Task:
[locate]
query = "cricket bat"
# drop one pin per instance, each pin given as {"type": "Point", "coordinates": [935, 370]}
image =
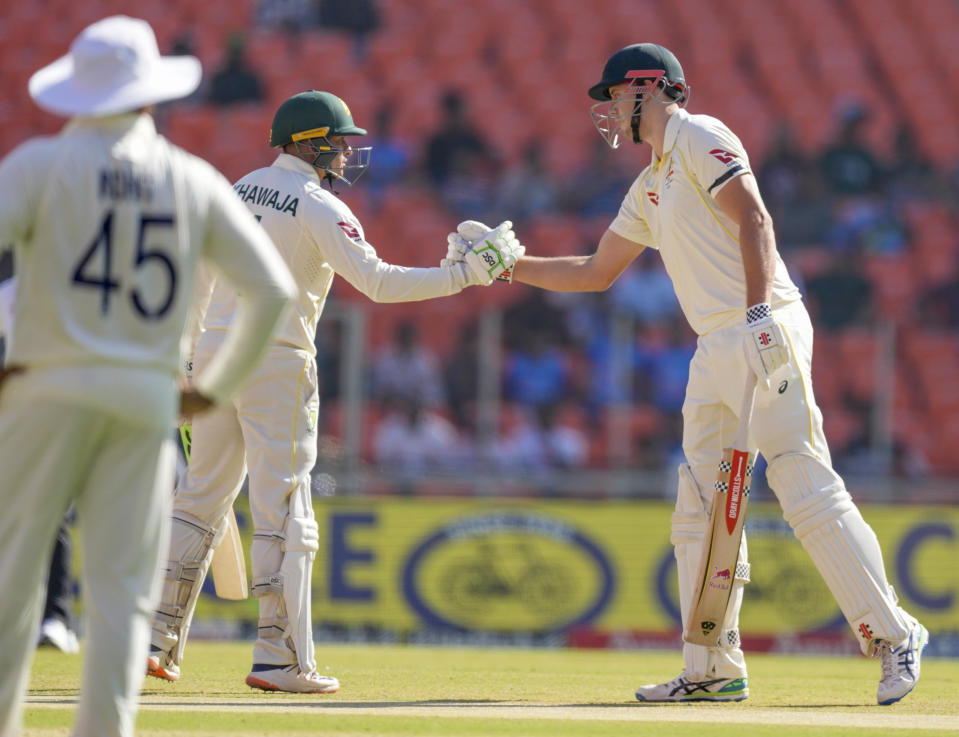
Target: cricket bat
{"type": "Point", "coordinates": [228, 566]}
{"type": "Point", "coordinates": [717, 567]}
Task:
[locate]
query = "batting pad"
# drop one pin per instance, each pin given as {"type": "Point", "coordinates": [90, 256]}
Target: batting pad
{"type": "Point", "coordinates": [191, 549]}
{"type": "Point", "coordinates": [841, 544]}
{"type": "Point", "coordinates": [689, 530]}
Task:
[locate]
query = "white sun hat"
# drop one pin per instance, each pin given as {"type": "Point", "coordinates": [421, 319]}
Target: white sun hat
{"type": "Point", "coordinates": [113, 66]}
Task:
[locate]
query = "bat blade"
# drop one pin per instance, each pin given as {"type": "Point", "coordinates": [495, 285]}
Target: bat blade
{"type": "Point", "coordinates": [228, 566]}
{"type": "Point", "coordinates": [720, 556]}
{"type": "Point", "coordinates": [718, 566]}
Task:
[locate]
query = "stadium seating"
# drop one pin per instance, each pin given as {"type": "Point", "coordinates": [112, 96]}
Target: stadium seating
{"type": "Point", "coordinates": [524, 66]}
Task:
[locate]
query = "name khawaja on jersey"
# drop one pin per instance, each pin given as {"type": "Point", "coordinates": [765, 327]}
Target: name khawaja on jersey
{"type": "Point", "coordinates": [267, 197]}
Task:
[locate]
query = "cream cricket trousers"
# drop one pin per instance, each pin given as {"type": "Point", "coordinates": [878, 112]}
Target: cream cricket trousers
{"type": "Point", "coordinates": [118, 473]}
{"type": "Point", "coordinates": [268, 431]}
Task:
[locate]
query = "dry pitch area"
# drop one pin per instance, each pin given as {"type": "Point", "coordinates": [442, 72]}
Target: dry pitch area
{"type": "Point", "coordinates": [484, 692]}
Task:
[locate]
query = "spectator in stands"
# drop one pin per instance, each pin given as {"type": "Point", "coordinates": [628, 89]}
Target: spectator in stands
{"type": "Point", "coordinates": [358, 17]}
{"type": "Point", "coordinates": [848, 164]}
{"type": "Point", "coordinates": [540, 441]}
{"type": "Point", "coordinates": [868, 225]}
{"type": "Point", "coordinates": [469, 186]}
{"type": "Point", "coordinates": [456, 140]}
{"type": "Point", "coordinates": [796, 197]}
{"type": "Point", "coordinates": [840, 296]}
{"type": "Point", "coordinates": [413, 439]}
{"type": "Point", "coordinates": [526, 188]}
{"type": "Point", "coordinates": [644, 291]}
{"type": "Point", "coordinates": [392, 155]}
{"type": "Point", "coordinates": [235, 82]}
{"type": "Point", "coordinates": [597, 187]}
{"type": "Point", "coordinates": [408, 369]}
{"type": "Point", "coordinates": [537, 370]}
{"type": "Point", "coordinates": [663, 352]}
{"type": "Point", "coordinates": [910, 174]}
{"type": "Point", "coordinates": [291, 16]}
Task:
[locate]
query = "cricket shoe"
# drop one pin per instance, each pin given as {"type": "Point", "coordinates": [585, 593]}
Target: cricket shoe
{"type": "Point", "coordinates": [682, 690]}
{"type": "Point", "coordinates": [159, 666]}
{"type": "Point", "coordinates": [55, 633]}
{"type": "Point", "coordinates": [291, 679]}
{"type": "Point", "coordinates": [900, 665]}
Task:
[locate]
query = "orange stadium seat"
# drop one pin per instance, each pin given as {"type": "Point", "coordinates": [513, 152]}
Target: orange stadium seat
{"type": "Point", "coordinates": [894, 280]}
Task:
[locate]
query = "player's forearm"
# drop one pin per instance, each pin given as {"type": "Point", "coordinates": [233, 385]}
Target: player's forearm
{"type": "Point", "coordinates": [758, 244]}
{"type": "Point", "coordinates": [387, 283]}
{"type": "Point", "coordinates": [562, 273]}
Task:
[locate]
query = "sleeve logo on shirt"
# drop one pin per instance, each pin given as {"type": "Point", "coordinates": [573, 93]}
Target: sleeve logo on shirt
{"type": "Point", "coordinates": [653, 197]}
{"type": "Point", "coordinates": [350, 230]}
{"type": "Point", "coordinates": [725, 156]}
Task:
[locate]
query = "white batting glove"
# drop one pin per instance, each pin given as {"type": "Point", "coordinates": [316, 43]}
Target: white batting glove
{"type": "Point", "coordinates": [767, 349]}
{"type": "Point", "coordinates": [460, 241]}
{"type": "Point", "coordinates": [456, 250]}
{"type": "Point", "coordinates": [495, 252]}
{"type": "Point", "coordinates": [473, 230]}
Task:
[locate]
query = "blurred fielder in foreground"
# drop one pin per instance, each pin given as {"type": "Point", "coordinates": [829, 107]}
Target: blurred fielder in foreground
{"type": "Point", "coordinates": [269, 430]}
{"type": "Point", "coordinates": [109, 221]}
{"type": "Point", "coordinates": [698, 204]}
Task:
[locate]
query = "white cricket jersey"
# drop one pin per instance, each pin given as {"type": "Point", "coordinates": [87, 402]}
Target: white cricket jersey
{"type": "Point", "coordinates": [319, 236]}
{"type": "Point", "coordinates": [109, 221]}
{"type": "Point", "coordinates": [671, 207]}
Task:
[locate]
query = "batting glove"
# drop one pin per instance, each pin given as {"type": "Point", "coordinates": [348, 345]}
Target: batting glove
{"type": "Point", "coordinates": [456, 250]}
{"type": "Point", "coordinates": [495, 252]}
{"type": "Point", "coordinates": [767, 349]}
{"type": "Point", "coordinates": [459, 242]}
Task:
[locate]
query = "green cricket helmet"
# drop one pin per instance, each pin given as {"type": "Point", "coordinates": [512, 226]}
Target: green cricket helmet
{"type": "Point", "coordinates": [645, 67]}
{"type": "Point", "coordinates": [308, 120]}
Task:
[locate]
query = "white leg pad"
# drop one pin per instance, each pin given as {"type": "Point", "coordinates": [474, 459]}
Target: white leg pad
{"type": "Point", "coordinates": [283, 566]}
{"type": "Point", "coordinates": [689, 530]}
{"type": "Point", "coordinates": [191, 549]}
{"type": "Point", "coordinates": [841, 544]}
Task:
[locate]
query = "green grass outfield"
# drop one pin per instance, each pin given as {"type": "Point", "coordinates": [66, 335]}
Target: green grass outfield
{"type": "Point", "coordinates": [471, 692]}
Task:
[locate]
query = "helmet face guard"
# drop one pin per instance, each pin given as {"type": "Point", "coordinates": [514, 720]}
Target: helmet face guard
{"type": "Point", "coordinates": [315, 143]}
{"type": "Point", "coordinates": [610, 116]}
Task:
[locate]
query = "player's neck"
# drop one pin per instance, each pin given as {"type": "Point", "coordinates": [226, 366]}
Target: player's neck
{"type": "Point", "coordinates": [656, 135]}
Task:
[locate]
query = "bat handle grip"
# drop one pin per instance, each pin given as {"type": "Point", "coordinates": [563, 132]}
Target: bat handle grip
{"type": "Point", "coordinates": [746, 412]}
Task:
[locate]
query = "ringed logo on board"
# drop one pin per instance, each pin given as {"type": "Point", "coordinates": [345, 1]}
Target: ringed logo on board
{"type": "Point", "coordinates": [508, 572]}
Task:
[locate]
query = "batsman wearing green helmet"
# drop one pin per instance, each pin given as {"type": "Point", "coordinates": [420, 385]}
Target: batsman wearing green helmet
{"type": "Point", "coordinates": [268, 431]}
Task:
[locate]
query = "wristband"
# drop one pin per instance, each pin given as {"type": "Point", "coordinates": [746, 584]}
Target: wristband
{"type": "Point", "coordinates": [758, 312]}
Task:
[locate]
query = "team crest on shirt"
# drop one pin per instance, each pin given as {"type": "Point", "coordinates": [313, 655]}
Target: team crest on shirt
{"type": "Point", "coordinates": [727, 157]}
{"type": "Point", "coordinates": [668, 179]}
{"type": "Point", "coordinates": [351, 231]}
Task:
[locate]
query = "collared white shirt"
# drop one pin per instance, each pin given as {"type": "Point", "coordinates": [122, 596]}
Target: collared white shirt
{"type": "Point", "coordinates": [109, 221]}
{"type": "Point", "coordinates": [671, 207]}
{"type": "Point", "coordinates": [318, 236]}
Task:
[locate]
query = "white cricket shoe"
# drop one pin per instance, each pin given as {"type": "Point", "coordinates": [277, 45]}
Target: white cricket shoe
{"type": "Point", "coordinates": [55, 633]}
{"type": "Point", "coordinates": [681, 689]}
{"type": "Point", "coordinates": [291, 679]}
{"type": "Point", "coordinates": [900, 665]}
{"type": "Point", "coordinates": [159, 666]}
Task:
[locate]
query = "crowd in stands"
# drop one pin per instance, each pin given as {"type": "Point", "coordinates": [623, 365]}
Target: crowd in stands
{"type": "Point", "coordinates": [473, 124]}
